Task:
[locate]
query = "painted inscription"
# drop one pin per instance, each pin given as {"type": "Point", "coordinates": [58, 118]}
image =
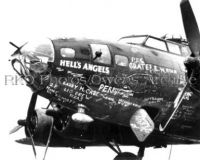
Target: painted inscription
{"type": "Point", "coordinates": [127, 103]}
{"type": "Point", "coordinates": [139, 64]}
{"type": "Point", "coordinates": [115, 91]}
{"type": "Point", "coordinates": [187, 95]}
{"type": "Point", "coordinates": [53, 90]}
{"type": "Point", "coordinates": [152, 100]}
{"type": "Point", "coordinates": [84, 66]}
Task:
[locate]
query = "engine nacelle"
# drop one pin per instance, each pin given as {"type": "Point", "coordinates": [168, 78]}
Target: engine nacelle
{"type": "Point", "coordinates": [40, 127]}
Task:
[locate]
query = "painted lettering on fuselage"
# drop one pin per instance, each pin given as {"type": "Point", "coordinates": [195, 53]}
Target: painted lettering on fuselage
{"type": "Point", "coordinates": [70, 64]}
{"type": "Point", "coordinates": [115, 91]}
{"type": "Point", "coordinates": [84, 66]}
{"type": "Point", "coordinates": [187, 95]}
{"type": "Point", "coordinates": [126, 103]}
{"type": "Point", "coordinates": [139, 64]}
{"type": "Point", "coordinates": [152, 100]}
{"type": "Point", "coordinates": [96, 68]}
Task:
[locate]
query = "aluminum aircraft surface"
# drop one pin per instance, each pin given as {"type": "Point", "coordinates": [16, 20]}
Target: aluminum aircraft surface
{"type": "Point", "coordinates": [141, 91]}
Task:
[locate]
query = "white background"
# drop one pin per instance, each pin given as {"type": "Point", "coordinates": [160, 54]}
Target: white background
{"type": "Point", "coordinates": [101, 19]}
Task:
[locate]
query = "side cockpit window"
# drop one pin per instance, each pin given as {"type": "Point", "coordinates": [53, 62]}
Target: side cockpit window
{"type": "Point", "coordinates": [121, 60]}
{"type": "Point", "coordinates": [156, 43]}
{"type": "Point", "coordinates": [174, 48]}
{"type": "Point", "coordinates": [101, 53]}
{"type": "Point", "coordinates": [67, 52]}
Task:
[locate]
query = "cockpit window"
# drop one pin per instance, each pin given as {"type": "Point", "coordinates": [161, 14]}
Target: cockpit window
{"type": "Point", "coordinates": [101, 53]}
{"type": "Point", "coordinates": [174, 48]}
{"type": "Point", "coordinates": [185, 51]}
{"type": "Point", "coordinates": [121, 60]}
{"type": "Point", "coordinates": [67, 52]}
{"type": "Point", "coordinates": [155, 43]}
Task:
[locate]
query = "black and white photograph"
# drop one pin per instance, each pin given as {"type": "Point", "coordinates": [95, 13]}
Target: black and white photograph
{"type": "Point", "coordinates": [100, 79]}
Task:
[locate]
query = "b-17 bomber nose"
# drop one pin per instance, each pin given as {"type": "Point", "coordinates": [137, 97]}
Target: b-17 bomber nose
{"type": "Point", "coordinates": [36, 55]}
{"type": "Point", "coordinates": [31, 61]}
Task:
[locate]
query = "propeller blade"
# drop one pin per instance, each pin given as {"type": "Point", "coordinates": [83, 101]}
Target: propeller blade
{"type": "Point", "coordinates": [18, 48]}
{"type": "Point", "coordinates": [15, 129]}
{"type": "Point", "coordinates": [191, 27]}
{"type": "Point", "coordinates": [14, 45]}
{"type": "Point", "coordinates": [32, 142]}
{"type": "Point", "coordinates": [31, 108]}
{"type": "Point", "coordinates": [176, 105]}
{"type": "Point", "coordinates": [49, 138]}
{"type": "Point", "coordinates": [15, 53]}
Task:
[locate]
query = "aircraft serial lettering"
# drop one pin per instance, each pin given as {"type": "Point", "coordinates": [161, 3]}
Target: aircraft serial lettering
{"type": "Point", "coordinates": [85, 66]}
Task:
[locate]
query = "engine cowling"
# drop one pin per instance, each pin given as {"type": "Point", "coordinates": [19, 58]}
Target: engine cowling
{"type": "Point", "coordinates": [193, 72]}
{"type": "Point", "coordinates": [40, 126]}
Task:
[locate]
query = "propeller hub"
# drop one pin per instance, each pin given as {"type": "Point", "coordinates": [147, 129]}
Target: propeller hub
{"type": "Point", "coordinates": [22, 122]}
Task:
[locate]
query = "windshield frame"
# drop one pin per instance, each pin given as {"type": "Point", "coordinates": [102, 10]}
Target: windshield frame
{"type": "Point", "coordinates": [134, 37]}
